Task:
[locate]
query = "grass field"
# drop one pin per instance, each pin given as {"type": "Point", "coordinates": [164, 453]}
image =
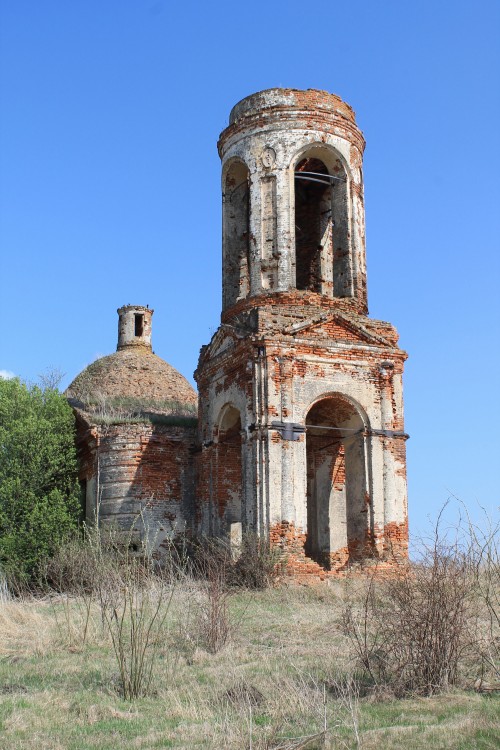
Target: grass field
{"type": "Point", "coordinates": [284, 673]}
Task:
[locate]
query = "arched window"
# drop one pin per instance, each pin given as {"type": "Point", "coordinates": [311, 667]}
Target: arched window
{"type": "Point", "coordinates": [337, 519]}
{"type": "Point", "coordinates": [235, 234]}
{"type": "Point", "coordinates": [322, 241]}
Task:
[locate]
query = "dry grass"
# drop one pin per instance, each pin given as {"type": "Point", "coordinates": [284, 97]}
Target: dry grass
{"type": "Point", "coordinates": [25, 629]}
{"type": "Point", "coordinates": [280, 675]}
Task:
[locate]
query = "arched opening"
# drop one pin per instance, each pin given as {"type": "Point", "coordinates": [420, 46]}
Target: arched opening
{"type": "Point", "coordinates": [312, 222]}
{"type": "Point", "coordinates": [337, 517]}
{"type": "Point", "coordinates": [229, 485]}
{"type": "Point", "coordinates": [322, 243]}
{"type": "Point", "coordinates": [236, 234]}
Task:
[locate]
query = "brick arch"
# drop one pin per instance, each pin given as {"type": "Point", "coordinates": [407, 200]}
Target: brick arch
{"type": "Point", "coordinates": [341, 396]}
{"type": "Point", "coordinates": [337, 512]}
{"type": "Point", "coordinates": [325, 152]}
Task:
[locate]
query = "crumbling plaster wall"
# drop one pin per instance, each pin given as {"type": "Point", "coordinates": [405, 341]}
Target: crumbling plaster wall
{"type": "Point", "coordinates": [290, 348]}
{"type": "Point", "coordinates": [270, 137]}
{"type": "Point", "coordinates": [225, 382]}
{"type": "Point", "coordinates": [278, 379]}
{"type": "Point", "coordinates": [279, 352]}
{"type": "Point", "coordinates": [139, 478]}
{"type": "Point", "coordinates": [358, 379]}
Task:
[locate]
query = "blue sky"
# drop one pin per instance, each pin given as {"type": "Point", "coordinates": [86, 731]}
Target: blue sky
{"type": "Point", "coordinates": [110, 188]}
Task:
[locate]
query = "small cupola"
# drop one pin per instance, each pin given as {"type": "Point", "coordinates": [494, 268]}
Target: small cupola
{"type": "Point", "coordinates": [134, 326]}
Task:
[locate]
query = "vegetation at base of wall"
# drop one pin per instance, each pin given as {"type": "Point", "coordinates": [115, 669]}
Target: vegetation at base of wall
{"type": "Point", "coordinates": [258, 564]}
{"type": "Point", "coordinates": [182, 654]}
{"type": "Point", "coordinates": [39, 491]}
{"type": "Point", "coordinates": [252, 564]}
{"type": "Point", "coordinates": [415, 632]}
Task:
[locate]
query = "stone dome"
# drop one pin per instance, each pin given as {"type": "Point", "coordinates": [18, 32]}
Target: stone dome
{"type": "Point", "coordinates": [133, 378]}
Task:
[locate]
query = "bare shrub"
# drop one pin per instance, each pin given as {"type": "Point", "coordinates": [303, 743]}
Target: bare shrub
{"type": "Point", "coordinates": [364, 624]}
{"type": "Point", "coordinates": [87, 570]}
{"type": "Point", "coordinates": [213, 620]}
{"type": "Point", "coordinates": [134, 598]}
{"type": "Point", "coordinates": [74, 568]}
{"type": "Point", "coordinates": [431, 630]}
{"type": "Point", "coordinates": [483, 554]}
{"type": "Point", "coordinates": [116, 572]}
{"type": "Point", "coordinates": [413, 630]}
{"type": "Point", "coordinates": [258, 565]}
{"type": "Point", "coordinates": [135, 623]}
{"type": "Point", "coordinates": [73, 577]}
{"type": "Point", "coordinates": [178, 559]}
{"type": "Point", "coordinates": [51, 378]}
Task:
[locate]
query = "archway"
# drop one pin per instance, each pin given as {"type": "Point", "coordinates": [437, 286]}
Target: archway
{"type": "Point", "coordinates": [337, 518]}
{"type": "Point", "coordinates": [229, 484]}
{"type": "Point", "coordinates": [322, 240]}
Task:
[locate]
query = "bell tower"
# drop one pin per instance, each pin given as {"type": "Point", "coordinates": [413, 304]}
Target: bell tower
{"type": "Point", "coordinates": [301, 413]}
{"type": "Point", "coordinates": [293, 214]}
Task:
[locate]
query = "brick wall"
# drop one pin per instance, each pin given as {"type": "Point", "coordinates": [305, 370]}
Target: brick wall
{"type": "Point", "coordinates": [142, 475]}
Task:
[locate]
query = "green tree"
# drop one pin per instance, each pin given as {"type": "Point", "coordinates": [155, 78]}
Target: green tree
{"type": "Point", "coordinates": [39, 491]}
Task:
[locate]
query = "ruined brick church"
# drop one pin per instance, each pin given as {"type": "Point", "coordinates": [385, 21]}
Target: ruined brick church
{"type": "Point", "coordinates": [297, 431]}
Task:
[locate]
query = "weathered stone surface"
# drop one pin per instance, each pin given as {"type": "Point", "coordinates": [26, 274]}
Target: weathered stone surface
{"type": "Point", "coordinates": [300, 430]}
{"type": "Point", "coordinates": [313, 384]}
{"type": "Point", "coordinates": [138, 476]}
{"type": "Point", "coordinates": [133, 374]}
{"type": "Point", "coordinates": [136, 430]}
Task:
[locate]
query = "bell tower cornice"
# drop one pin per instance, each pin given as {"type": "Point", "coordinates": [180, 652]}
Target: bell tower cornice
{"type": "Point", "coordinates": [274, 108]}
